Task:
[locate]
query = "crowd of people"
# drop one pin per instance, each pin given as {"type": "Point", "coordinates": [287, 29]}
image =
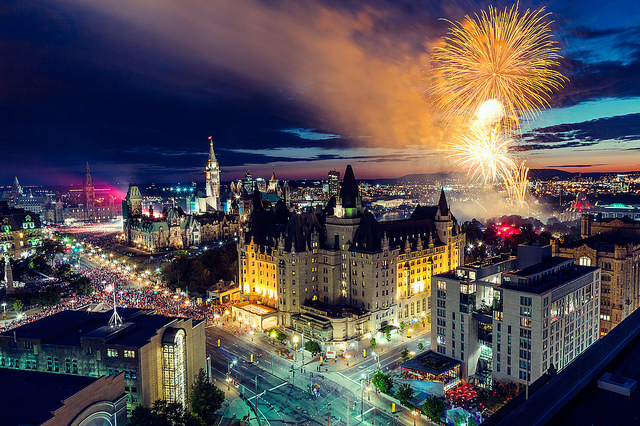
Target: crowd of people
{"type": "Point", "coordinates": [107, 280]}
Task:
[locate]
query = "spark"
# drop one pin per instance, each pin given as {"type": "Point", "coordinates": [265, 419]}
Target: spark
{"type": "Point", "coordinates": [504, 55]}
{"type": "Point", "coordinates": [484, 153]}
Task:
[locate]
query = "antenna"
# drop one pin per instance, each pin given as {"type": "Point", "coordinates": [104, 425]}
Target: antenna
{"type": "Point", "coordinates": [115, 320]}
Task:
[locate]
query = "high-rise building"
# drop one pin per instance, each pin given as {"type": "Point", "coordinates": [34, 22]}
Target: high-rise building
{"type": "Point", "coordinates": [159, 356]}
{"type": "Point", "coordinates": [512, 318]}
{"type": "Point", "coordinates": [338, 274]}
{"type": "Point", "coordinates": [614, 246]}
{"type": "Point", "coordinates": [334, 183]}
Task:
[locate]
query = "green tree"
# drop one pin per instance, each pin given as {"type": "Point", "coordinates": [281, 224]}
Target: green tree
{"type": "Point", "coordinates": [312, 346]}
{"type": "Point", "coordinates": [434, 408]}
{"type": "Point", "coordinates": [405, 394]}
{"type": "Point", "coordinates": [373, 343]}
{"type": "Point", "coordinates": [405, 355]}
{"type": "Point", "coordinates": [382, 381]}
{"type": "Point", "coordinates": [81, 285]}
{"type": "Point", "coordinates": [49, 248]}
{"type": "Point", "coordinates": [206, 398]}
{"type": "Point", "coordinates": [387, 333]}
{"type": "Point", "coordinates": [16, 305]}
{"type": "Point", "coordinates": [164, 413]}
{"type": "Point", "coordinates": [420, 347]}
{"type": "Point", "coordinates": [471, 421]}
{"type": "Point", "coordinates": [403, 327]}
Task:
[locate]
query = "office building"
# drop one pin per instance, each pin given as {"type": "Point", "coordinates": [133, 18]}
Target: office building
{"type": "Point", "coordinates": [158, 355]}
{"type": "Point", "coordinates": [510, 319]}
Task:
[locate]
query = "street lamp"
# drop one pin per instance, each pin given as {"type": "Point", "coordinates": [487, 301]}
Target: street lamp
{"type": "Point", "coordinates": [4, 309]}
{"type": "Point", "coordinates": [295, 347]}
{"type": "Point", "coordinates": [251, 332]}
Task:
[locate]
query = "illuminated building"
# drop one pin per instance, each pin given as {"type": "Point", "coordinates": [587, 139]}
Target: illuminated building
{"type": "Point", "coordinates": [339, 273]}
{"type": "Point", "coordinates": [333, 179]}
{"type": "Point", "coordinates": [20, 232]}
{"type": "Point", "coordinates": [158, 355]}
{"type": "Point", "coordinates": [614, 246]}
{"type": "Point", "coordinates": [510, 319]}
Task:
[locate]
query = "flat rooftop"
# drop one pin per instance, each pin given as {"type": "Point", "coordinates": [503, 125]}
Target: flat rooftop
{"type": "Point", "coordinates": [257, 309]}
{"type": "Point", "coordinates": [29, 397]}
{"type": "Point", "coordinates": [551, 281]}
{"type": "Point", "coordinates": [430, 362]}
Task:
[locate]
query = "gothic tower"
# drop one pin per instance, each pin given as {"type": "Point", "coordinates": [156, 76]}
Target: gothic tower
{"type": "Point", "coordinates": [88, 189]}
{"type": "Point", "coordinates": [212, 183]}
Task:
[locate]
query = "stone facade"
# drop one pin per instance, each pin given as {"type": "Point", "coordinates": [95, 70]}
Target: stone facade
{"type": "Point", "coordinates": [343, 260]}
{"type": "Point", "coordinates": [20, 232]}
{"type": "Point", "coordinates": [614, 246]}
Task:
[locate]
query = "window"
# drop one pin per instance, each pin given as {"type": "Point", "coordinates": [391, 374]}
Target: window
{"type": "Point", "coordinates": [67, 364]}
{"type": "Point", "coordinates": [112, 353]}
{"type": "Point", "coordinates": [129, 353]}
{"type": "Point", "coordinates": [56, 364]}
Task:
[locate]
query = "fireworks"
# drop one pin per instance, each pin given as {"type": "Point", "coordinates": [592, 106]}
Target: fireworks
{"type": "Point", "coordinates": [484, 154]}
{"type": "Point", "coordinates": [506, 56]}
{"type": "Point", "coordinates": [497, 68]}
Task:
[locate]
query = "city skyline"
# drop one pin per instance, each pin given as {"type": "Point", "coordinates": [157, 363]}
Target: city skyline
{"type": "Point", "coordinates": [307, 87]}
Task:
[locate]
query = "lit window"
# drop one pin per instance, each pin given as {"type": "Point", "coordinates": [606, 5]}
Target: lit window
{"type": "Point", "coordinates": [112, 353]}
{"type": "Point", "coordinates": [129, 354]}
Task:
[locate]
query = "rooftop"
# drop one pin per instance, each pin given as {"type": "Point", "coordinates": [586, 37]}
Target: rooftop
{"type": "Point", "coordinates": [30, 397]}
{"type": "Point", "coordinates": [67, 328]}
{"type": "Point", "coordinates": [549, 282]}
{"type": "Point", "coordinates": [430, 362]}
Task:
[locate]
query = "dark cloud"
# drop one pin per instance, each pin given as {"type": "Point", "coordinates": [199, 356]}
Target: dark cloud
{"type": "Point", "coordinates": [589, 33]}
{"type": "Point", "coordinates": [588, 133]}
{"type": "Point", "coordinates": [578, 165]}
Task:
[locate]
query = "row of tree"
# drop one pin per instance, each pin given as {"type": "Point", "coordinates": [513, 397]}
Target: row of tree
{"type": "Point", "coordinates": [198, 273]}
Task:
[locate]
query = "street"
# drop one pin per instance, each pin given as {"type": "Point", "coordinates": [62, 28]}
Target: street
{"type": "Point", "coordinates": [283, 386]}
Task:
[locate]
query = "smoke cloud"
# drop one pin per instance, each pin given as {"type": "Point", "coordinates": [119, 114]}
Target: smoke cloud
{"type": "Point", "coordinates": [356, 77]}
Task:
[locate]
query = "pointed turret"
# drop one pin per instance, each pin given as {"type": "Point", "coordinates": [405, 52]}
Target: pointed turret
{"type": "Point", "coordinates": [212, 155]}
{"type": "Point", "coordinates": [442, 204]}
{"type": "Point", "coordinates": [349, 190]}
{"type": "Point", "coordinates": [16, 189]}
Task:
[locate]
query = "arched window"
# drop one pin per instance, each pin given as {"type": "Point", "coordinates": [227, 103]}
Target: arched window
{"type": "Point", "coordinates": [584, 261]}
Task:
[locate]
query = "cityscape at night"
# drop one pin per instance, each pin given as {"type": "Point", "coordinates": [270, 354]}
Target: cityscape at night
{"type": "Point", "coordinates": [259, 212]}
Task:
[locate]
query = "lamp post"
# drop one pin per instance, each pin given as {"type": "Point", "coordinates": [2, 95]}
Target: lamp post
{"type": "Point", "coordinates": [4, 309]}
{"type": "Point", "coordinates": [295, 347]}
{"type": "Point", "coordinates": [302, 346]}
{"type": "Point", "coordinates": [251, 332]}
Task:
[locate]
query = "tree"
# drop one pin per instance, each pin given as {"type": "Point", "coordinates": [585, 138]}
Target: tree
{"type": "Point", "coordinates": [387, 333]}
{"type": "Point", "coordinates": [49, 248]}
{"type": "Point", "coordinates": [373, 343]}
{"type": "Point", "coordinates": [164, 413]}
{"type": "Point", "coordinates": [81, 285]}
{"type": "Point", "coordinates": [471, 421]}
{"type": "Point", "coordinates": [404, 394]}
{"type": "Point", "coordinates": [434, 408]}
{"type": "Point", "coordinates": [403, 327]}
{"type": "Point", "coordinates": [405, 355]}
{"type": "Point", "coordinates": [16, 305]}
{"type": "Point", "coordinates": [312, 346]}
{"type": "Point", "coordinates": [382, 381]}
{"type": "Point", "coordinates": [420, 347]}
{"type": "Point", "coordinates": [206, 398]}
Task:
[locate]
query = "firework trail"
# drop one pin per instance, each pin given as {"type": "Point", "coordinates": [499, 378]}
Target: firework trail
{"type": "Point", "coordinates": [494, 69]}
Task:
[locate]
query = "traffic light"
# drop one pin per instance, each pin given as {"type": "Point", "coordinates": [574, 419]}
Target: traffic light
{"type": "Point", "coordinates": [218, 342]}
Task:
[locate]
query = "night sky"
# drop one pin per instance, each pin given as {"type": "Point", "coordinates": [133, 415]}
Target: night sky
{"type": "Point", "coordinates": [137, 87]}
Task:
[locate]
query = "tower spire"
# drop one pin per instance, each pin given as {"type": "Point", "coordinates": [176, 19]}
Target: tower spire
{"type": "Point", "coordinates": [212, 155]}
